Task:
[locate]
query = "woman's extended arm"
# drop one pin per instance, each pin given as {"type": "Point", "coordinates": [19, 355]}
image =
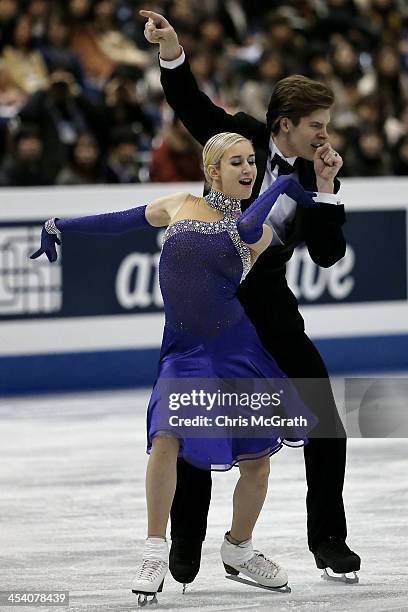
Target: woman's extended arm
{"type": "Point", "coordinates": [157, 214]}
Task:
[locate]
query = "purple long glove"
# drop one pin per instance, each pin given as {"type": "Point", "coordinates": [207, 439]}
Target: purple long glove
{"type": "Point", "coordinates": [107, 223]}
{"type": "Point", "coordinates": [48, 242]}
{"type": "Point", "coordinates": [295, 191]}
{"type": "Point", "coordinates": [250, 223]}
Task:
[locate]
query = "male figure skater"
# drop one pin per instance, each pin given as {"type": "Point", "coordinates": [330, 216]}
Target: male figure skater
{"type": "Point", "coordinates": [294, 140]}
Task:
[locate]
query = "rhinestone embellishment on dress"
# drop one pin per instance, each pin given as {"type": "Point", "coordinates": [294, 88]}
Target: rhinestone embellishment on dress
{"type": "Point", "coordinates": [231, 207]}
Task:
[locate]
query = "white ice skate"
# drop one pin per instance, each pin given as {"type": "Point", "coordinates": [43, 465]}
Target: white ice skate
{"type": "Point", "coordinates": [152, 571]}
{"type": "Point", "coordinates": [264, 573]}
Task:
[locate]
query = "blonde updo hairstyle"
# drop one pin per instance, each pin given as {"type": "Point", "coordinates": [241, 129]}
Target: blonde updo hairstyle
{"type": "Point", "coordinates": [215, 148]}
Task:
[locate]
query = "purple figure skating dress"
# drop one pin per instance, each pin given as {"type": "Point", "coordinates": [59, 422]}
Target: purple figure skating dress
{"type": "Point", "coordinates": [207, 334]}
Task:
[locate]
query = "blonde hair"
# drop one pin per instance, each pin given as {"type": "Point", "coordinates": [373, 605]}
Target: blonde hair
{"type": "Point", "coordinates": [215, 148]}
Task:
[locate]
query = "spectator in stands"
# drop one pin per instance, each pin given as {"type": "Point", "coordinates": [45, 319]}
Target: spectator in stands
{"type": "Point", "coordinates": [388, 81]}
{"type": "Point", "coordinates": [386, 16]}
{"type": "Point", "coordinates": [25, 165]}
{"type": "Point", "coordinates": [371, 158]}
{"type": "Point", "coordinates": [12, 97]}
{"type": "Point", "coordinates": [56, 50]}
{"type": "Point", "coordinates": [396, 127]}
{"type": "Point", "coordinates": [62, 112]}
{"type": "Point", "coordinates": [319, 67]}
{"type": "Point", "coordinates": [343, 17]}
{"type": "Point", "coordinates": [368, 112]}
{"type": "Point", "coordinates": [186, 12]}
{"type": "Point", "coordinates": [359, 48]}
{"type": "Point", "coordinates": [117, 47]}
{"type": "Point", "coordinates": [212, 35]}
{"type": "Point", "coordinates": [78, 13]}
{"type": "Point", "coordinates": [234, 21]}
{"type": "Point", "coordinates": [204, 64]}
{"type": "Point", "coordinates": [121, 105]}
{"type": "Point", "coordinates": [400, 157]}
{"type": "Point", "coordinates": [8, 15]}
{"type": "Point", "coordinates": [317, 63]}
{"type": "Point", "coordinates": [281, 37]}
{"type": "Point", "coordinates": [346, 63]}
{"type": "Point", "coordinates": [38, 11]}
{"type": "Point", "coordinates": [178, 158]}
{"type": "Point", "coordinates": [348, 71]}
{"type": "Point", "coordinates": [402, 42]}
{"type": "Point", "coordinates": [190, 38]}
{"type": "Point", "coordinates": [24, 64]}
{"type": "Point", "coordinates": [84, 166]}
{"type": "Point", "coordinates": [123, 165]}
{"type": "Point", "coordinates": [256, 92]}
{"type": "Point", "coordinates": [101, 46]}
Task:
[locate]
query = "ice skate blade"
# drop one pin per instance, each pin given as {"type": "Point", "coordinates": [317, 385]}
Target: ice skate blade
{"type": "Point", "coordinates": [340, 577]}
{"type": "Point", "coordinates": [282, 589]}
{"type": "Point", "coordinates": [143, 596]}
{"type": "Point", "coordinates": [143, 599]}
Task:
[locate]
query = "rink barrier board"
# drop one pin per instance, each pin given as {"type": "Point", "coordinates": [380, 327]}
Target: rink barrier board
{"type": "Point", "coordinates": [91, 325]}
{"type": "Point", "coordinates": [130, 369]}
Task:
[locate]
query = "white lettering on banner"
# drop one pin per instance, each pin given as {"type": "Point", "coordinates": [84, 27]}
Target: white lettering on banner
{"type": "Point", "coordinates": [27, 286]}
{"type": "Point", "coordinates": [309, 281]}
{"type": "Point", "coordinates": [157, 296]}
{"type": "Point", "coordinates": [142, 269]}
{"type": "Point", "coordinates": [340, 281]}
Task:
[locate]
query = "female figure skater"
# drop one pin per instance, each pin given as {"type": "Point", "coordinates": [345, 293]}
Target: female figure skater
{"type": "Point", "coordinates": [209, 247]}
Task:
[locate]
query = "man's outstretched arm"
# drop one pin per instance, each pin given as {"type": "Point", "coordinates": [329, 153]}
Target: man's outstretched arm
{"type": "Point", "coordinates": [199, 114]}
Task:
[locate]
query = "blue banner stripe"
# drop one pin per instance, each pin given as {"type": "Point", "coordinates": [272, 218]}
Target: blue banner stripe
{"type": "Point", "coordinates": [352, 355]}
{"type": "Point", "coordinates": [77, 371]}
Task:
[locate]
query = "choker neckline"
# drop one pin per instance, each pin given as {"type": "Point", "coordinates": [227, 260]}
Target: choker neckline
{"type": "Point", "coordinates": [225, 203]}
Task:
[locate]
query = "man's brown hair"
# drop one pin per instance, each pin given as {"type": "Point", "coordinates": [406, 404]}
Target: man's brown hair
{"type": "Point", "coordinates": [295, 97]}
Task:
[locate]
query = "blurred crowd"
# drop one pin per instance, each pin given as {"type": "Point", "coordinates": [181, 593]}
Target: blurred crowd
{"type": "Point", "coordinates": [81, 100]}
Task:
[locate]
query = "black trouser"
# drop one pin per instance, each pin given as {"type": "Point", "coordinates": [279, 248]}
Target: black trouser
{"type": "Point", "coordinates": [325, 458]}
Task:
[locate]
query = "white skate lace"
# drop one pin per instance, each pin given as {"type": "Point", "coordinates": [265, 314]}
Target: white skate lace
{"type": "Point", "coordinates": [150, 569]}
{"type": "Point", "coordinates": [261, 565]}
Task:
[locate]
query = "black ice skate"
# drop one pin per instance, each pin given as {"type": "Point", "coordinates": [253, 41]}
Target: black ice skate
{"type": "Point", "coordinates": [335, 555]}
{"type": "Point", "coordinates": [185, 559]}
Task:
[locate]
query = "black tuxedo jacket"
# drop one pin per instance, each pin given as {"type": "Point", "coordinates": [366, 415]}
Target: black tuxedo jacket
{"type": "Point", "coordinates": [265, 295]}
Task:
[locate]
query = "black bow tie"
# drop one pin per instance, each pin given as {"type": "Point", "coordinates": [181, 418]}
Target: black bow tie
{"type": "Point", "coordinates": [283, 166]}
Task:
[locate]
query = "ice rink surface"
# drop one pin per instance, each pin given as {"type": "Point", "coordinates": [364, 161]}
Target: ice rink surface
{"type": "Point", "coordinates": [72, 514]}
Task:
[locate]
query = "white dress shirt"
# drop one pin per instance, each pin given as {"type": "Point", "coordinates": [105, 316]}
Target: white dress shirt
{"type": "Point", "coordinates": [284, 209]}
